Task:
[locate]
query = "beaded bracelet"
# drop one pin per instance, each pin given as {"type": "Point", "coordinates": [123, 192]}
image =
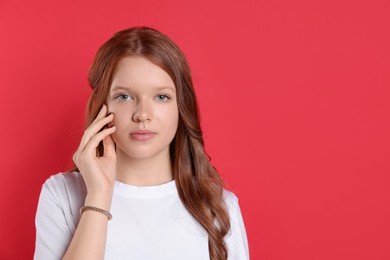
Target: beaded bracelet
{"type": "Point", "coordinates": [105, 212]}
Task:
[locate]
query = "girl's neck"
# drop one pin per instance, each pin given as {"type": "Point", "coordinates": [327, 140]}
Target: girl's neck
{"type": "Point", "coordinates": [151, 171]}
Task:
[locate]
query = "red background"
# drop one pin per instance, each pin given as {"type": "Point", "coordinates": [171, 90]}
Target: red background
{"type": "Point", "coordinates": [294, 97]}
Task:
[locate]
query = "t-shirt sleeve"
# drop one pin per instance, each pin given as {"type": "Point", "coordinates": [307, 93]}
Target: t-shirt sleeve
{"type": "Point", "coordinates": [236, 240]}
{"type": "Point", "coordinates": [57, 215]}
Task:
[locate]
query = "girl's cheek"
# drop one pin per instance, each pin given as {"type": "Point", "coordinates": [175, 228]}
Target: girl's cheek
{"type": "Point", "coordinates": [111, 110]}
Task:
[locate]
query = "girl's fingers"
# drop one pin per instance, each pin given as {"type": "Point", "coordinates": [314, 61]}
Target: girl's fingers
{"type": "Point", "coordinates": [102, 112]}
{"type": "Point", "coordinates": [100, 121]}
{"type": "Point", "coordinates": [86, 136]}
{"type": "Point", "coordinates": [96, 139]}
{"type": "Point", "coordinates": [93, 129]}
{"type": "Point", "coordinates": [109, 147]}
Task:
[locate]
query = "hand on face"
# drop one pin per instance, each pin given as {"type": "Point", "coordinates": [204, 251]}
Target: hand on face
{"type": "Point", "coordinates": [99, 173]}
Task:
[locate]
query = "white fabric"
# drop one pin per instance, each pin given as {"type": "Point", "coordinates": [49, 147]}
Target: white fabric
{"type": "Point", "coordinates": [149, 223]}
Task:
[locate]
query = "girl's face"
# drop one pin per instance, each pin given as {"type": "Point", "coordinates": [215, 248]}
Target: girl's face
{"type": "Point", "coordinates": [142, 98]}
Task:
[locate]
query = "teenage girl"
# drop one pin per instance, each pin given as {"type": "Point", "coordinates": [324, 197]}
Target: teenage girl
{"type": "Point", "coordinates": [143, 187]}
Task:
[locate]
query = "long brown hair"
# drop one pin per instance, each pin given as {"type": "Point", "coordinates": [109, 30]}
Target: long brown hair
{"type": "Point", "coordinates": [198, 183]}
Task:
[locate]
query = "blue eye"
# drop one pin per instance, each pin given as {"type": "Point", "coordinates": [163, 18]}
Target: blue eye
{"type": "Point", "coordinates": [163, 98]}
{"type": "Point", "coordinates": [123, 97]}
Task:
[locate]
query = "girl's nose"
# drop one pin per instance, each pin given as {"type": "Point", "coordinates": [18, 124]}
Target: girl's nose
{"type": "Point", "coordinates": [142, 112]}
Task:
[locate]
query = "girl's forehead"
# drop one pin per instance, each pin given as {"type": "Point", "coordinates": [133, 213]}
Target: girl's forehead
{"type": "Point", "coordinates": [136, 72]}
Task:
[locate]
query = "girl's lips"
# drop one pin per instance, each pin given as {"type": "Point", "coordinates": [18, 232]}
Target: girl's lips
{"type": "Point", "coordinates": [142, 135]}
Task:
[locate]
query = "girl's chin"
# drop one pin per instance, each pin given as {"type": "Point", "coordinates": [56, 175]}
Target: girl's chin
{"type": "Point", "coordinates": [141, 154]}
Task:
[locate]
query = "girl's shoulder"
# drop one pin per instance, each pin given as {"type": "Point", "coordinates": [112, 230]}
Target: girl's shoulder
{"type": "Point", "coordinates": [66, 186]}
{"type": "Point", "coordinates": [229, 196]}
{"type": "Point", "coordinates": [66, 180]}
{"type": "Point", "coordinates": [231, 201]}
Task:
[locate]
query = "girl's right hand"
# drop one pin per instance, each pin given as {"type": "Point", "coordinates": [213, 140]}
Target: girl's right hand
{"type": "Point", "coordinates": [99, 173]}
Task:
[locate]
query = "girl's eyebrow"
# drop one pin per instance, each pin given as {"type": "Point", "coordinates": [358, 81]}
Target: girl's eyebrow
{"type": "Point", "coordinates": [165, 88]}
{"type": "Point", "coordinates": [122, 88]}
{"type": "Point", "coordinates": [116, 88]}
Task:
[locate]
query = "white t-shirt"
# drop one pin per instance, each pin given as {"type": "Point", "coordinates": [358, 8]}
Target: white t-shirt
{"type": "Point", "coordinates": [149, 222]}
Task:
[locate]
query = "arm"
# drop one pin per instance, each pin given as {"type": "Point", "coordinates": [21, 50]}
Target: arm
{"type": "Point", "coordinates": [89, 239]}
{"type": "Point", "coordinates": [54, 227]}
{"type": "Point", "coordinates": [99, 174]}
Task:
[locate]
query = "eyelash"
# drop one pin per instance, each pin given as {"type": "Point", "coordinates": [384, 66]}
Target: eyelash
{"type": "Point", "coordinates": [166, 97]}
{"type": "Point", "coordinates": [160, 97]}
{"type": "Point", "coordinates": [119, 97]}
